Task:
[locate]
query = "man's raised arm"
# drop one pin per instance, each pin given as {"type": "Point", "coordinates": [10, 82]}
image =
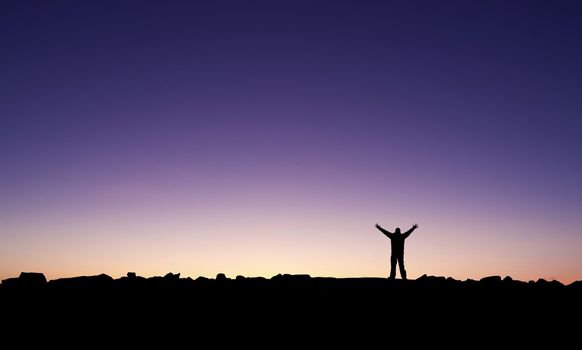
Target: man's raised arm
{"type": "Point", "coordinates": [387, 233]}
{"type": "Point", "coordinates": [407, 233]}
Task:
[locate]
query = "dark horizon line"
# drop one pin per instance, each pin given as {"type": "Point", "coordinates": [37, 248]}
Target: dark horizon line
{"type": "Point", "coordinates": [38, 278]}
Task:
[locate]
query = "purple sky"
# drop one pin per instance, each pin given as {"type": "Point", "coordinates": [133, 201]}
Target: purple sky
{"type": "Point", "coordinates": [258, 137]}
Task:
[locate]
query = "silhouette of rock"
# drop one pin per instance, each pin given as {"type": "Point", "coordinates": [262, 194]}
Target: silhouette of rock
{"type": "Point", "coordinates": [424, 279]}
{"type": "Point", "coordinates": [556, 284]}
{"type": "Point", "coordinates": [545, 284]}
{"type": "Point", "coordinates": [471, 283]}
{"type": "Point", "coordinates": [239, 278]}
{"type": "Point", "coordinates": [131, 281]}
{"type": "Point", "coordinates": [221, 277]}
{"type": "Point", "coordinates": [26, 280]}
{"type": "Point", "coordinates": [10, 282]}
{"type": "Point", "coordinates": [288, 277]}
{"type": "Point", "coordinates": [98, 281]}
{"type": "Point", "coordinates": [489, 280]}
{"type": "Point", "coordinates": [171, 276]}
{"type": "Point", "coordinates": [32, 279]}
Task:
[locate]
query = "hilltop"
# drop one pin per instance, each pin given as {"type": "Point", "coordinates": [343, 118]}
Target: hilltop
{"type": "Point", "coordinates": [37, 281]}
{"type": "Point", "coordinates": [360, 305]}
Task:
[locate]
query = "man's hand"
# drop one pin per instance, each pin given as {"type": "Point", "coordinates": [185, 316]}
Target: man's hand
{"type": "Point", "coordinates": [415, 226]}
{"type": "Point", "coordinates": [378, 226]}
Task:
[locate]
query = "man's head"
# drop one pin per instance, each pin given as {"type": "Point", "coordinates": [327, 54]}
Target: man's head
{"type": "Point", "coordinates": [397, 231]}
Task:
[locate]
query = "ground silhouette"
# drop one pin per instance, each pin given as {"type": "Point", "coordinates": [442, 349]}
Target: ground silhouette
{"type": "Point", "coordinates": [290, 307]}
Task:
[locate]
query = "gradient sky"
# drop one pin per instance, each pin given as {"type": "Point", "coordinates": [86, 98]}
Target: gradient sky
{"type": "Point", "coordinates": [259, 137]}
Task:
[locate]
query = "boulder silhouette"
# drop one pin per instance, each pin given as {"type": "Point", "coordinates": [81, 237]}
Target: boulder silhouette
{"type": "Point", "coordinates": [548, 284]}
{"type": "Point", "coordinates": [10, 282]}
{"type": "Point", "coordinates": [172, 276]}
{"type": "Point", "coordinates": [26, 280]}
{"type": "Point", "coordinates": [490, 280]}
{"type": "Point", "coordinates": [98, 281]}
{"type": "Point", "coordinates": [289, 278]}
{"type": "Point", "coordinates": [430, 280]}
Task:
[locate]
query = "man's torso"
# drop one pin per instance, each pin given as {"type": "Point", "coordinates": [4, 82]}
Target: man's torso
{"type": "Point", "coordinates": [397, 243]}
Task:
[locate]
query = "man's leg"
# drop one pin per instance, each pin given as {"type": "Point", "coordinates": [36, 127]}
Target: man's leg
{"type": "Point", "coordinates": [401, 265]}
{"type": "Point", "coordinates": [393, 260]}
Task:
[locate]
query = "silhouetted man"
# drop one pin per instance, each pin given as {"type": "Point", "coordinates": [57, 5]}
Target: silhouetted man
{"type": "Point", "coordinates": [397, 241]}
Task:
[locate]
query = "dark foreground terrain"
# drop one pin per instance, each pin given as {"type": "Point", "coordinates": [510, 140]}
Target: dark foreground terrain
{"type": "Point", "coordinates": [294, 307]}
